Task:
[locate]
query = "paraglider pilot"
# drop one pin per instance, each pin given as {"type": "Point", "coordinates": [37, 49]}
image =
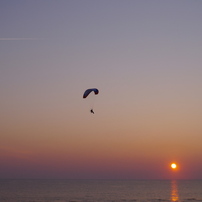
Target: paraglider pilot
{"type": "Point", "coordinates": [92, 111]}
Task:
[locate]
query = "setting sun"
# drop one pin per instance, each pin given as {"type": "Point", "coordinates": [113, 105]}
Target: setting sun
{"type": "Point", "coordinates": [173, 166]}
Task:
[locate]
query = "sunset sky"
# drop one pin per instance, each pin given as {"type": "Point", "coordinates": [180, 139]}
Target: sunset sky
{"type": "Point", "coordinates": [145, 58]}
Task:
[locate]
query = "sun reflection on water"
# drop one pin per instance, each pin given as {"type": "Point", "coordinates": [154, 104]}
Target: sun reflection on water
{"type": "Point", "coordinates": [174, 191]}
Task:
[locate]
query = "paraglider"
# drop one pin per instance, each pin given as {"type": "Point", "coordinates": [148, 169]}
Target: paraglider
{"type": "Point", "coordinates": [89, 91]}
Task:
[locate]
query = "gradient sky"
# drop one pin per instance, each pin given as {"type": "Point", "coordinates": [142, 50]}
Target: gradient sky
{"type": "Point", "coordinates": [145, 58]}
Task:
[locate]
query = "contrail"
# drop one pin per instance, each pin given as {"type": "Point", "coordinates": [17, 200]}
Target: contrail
{"type": "Point", "coordinates": [19, 39]}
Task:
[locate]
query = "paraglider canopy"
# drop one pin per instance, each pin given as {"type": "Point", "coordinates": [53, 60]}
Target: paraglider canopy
{"type": "Point", "coordinates": [88, 91]}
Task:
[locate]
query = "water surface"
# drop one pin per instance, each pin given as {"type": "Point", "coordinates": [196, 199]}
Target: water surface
{"type": "Point", "coordinates": [100, 190]}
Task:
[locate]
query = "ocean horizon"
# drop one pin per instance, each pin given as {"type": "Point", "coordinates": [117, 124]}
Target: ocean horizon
{"type": "Point", "coordinates": [90, 190]}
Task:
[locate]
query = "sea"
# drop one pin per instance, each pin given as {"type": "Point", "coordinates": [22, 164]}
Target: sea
{"type": "Point", "coordinates": [100, 190]}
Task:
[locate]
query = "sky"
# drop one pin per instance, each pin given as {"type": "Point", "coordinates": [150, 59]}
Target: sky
{"type": "Point", "coordinates": [144, 57]}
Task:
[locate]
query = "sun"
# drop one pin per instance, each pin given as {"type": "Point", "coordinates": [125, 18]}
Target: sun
{"type": "Point", "coordinates": [173, 166]}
